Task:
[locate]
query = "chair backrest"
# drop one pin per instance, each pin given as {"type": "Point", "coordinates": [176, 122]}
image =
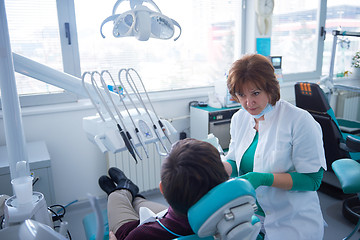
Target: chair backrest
{"type": "Point", "coordinates": [310, 97]}
{"type": "Point", "coordinates": [226, 211]}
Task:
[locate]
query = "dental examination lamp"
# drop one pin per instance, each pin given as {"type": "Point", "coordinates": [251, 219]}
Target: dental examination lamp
{"type": "Point", "coordinates": [141, 22]}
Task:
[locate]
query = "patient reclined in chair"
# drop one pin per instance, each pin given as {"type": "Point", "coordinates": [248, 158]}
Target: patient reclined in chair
{"type": "Point", "coordinates": [225, 212]}
{"type": "Point", "coordinates": [201, 198]}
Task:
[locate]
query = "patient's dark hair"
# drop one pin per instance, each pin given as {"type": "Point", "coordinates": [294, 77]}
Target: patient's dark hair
{"type": "Point", "coordinates": [191, 169]}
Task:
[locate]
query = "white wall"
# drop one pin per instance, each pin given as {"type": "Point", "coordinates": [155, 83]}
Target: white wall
{"type": "Point", "coordinates": [76, 162]}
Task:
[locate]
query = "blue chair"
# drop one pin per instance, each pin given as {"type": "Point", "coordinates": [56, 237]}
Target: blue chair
{"type": "Point", "coordinates": [348, 172]}
{"type": "Point", "coordinates": [336, 132]}
{"type": "Point", "coordinates": [226, 211]}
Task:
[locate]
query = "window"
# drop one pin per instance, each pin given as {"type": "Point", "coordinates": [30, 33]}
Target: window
{"type": "Point", "coordinates": [32, 37]}
{"type": "Point", "coordinates": [295, 35]}
{"type": "Point", "coordinates": [343, 16]}
{"type": "Point", "coordinates": [209, 43]}
{"type": "Point", "coordinates": [202, 54]}
{"type": "Point", "coordinates": [39, 40]}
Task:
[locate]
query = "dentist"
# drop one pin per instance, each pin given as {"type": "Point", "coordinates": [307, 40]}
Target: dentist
{"type": "Point", "coordinates": [278, 148]}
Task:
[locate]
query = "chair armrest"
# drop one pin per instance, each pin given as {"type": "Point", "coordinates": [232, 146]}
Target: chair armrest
{"type": "Point", "coordinates": [349, 126]}
{"type": "Point", "coordinates": [349, 130]}
{"type": "Point", "coordinates": [348, 123]}
{"type": "Point", "coordinates": [353, 143]}
{"type": "Point", "coordinates": [348, 173]}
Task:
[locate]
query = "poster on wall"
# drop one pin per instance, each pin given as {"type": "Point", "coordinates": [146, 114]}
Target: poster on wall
{"type": "Point", "coordinates": [263, 46]}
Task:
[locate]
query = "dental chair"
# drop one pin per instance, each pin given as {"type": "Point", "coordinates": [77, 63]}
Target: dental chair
{"type": "Point", "coordinates": [342, 149]}
{"type": "Point", "coordinates": [226, 212]}
{"type": "Point", "coordinates": [348, 172]}
{"type": "Point", "coordinates": [338, 134]}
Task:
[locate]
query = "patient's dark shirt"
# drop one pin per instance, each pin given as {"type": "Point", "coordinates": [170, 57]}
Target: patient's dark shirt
{"type": "Point", "coordinates": [152, 230]}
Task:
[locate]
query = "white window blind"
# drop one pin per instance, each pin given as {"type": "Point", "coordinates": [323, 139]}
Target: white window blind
{"type": "Point", "coordinates": [34, 33]}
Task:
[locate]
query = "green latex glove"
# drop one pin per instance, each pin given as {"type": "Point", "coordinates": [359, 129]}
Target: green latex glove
{"type": "Point", "coordinates": [259, 179]}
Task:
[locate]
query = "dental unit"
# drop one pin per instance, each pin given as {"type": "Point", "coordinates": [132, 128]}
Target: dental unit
{"type": "Point", "coordinates": [26, 213]}
{"type": "Point", "coordinates": [101, 129]}
{"type": "Point", "coordinates": [143, 90]}
{"type": "Point", "coordinates": [133, 121]}
{"type": "Point", "coordinates": [135, 90]}
{"type": "Point", "coordinates": [124, 133]}
{"type": "Point", "coordinates": [138, 133]}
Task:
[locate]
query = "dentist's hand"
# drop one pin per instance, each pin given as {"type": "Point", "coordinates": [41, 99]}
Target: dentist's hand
{"type": "Point", "coordinates": [259, 179]}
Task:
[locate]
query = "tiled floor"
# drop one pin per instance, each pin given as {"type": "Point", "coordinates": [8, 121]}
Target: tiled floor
{"type": "Point", "coordinates": [338, 226]}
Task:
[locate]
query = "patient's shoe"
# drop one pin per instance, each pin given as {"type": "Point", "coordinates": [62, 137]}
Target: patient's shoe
{"type": "Point", "coordinates": [116, 175]}
{"type": "Point", "coordinates": [122, 181]}
{"type": "Point", "coordinates": [130, 186]}
{"type": "Point", "coordinates": [106, 184]}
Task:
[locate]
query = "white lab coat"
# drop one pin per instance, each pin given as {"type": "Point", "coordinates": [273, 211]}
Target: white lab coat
{"type": "Point", "coordinates": [289, 140]}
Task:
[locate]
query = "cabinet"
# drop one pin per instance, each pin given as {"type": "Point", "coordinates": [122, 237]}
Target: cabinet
{"type": "Point", "coordinates": [206, 120]}
{"type": "Point", "coordinates": [40, 168]}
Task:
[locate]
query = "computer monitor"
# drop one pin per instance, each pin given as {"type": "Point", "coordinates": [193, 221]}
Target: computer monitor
{"type": "Point", "coordinates": [276, 61]}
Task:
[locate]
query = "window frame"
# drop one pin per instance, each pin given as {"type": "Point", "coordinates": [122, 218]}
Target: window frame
{"type": "Point", "coordinates": [70, 59]}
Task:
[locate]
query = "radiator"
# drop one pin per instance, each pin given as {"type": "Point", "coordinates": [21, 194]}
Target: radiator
{"type": "Point", "coordinates": [146, 173]}
{"type": "Point", "coordinates": [348, 105]}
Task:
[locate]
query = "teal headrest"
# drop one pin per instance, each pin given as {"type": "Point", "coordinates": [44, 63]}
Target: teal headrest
{"type": "Point", "coordinates": [216, 198]}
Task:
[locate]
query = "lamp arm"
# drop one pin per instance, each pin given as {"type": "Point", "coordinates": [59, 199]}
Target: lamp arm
{"type": "Point", "coordinates": [54, 77]}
